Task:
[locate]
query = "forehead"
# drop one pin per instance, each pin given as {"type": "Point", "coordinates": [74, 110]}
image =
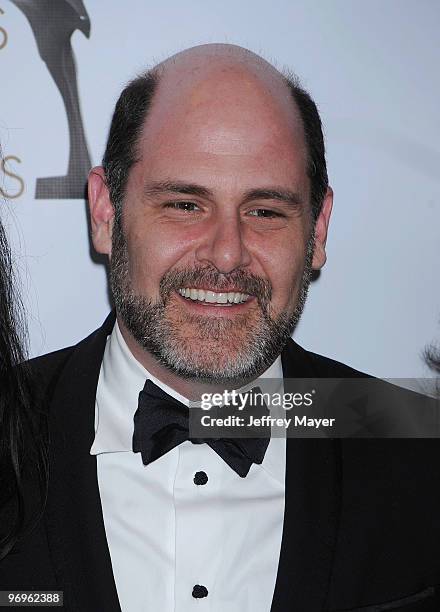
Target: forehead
{"type": "Point", "coordinates": [223, 118]}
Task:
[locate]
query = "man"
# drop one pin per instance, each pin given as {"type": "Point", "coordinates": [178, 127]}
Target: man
{"type": "Point", "coordinates": [213, 207]}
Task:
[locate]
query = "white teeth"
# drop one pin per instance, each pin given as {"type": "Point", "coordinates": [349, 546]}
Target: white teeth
{"type": "Point", "coordinates": [212, 297]}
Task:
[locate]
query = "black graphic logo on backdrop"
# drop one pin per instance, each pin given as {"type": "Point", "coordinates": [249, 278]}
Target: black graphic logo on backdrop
{"type": "Point", "coordinates": [53, 23]}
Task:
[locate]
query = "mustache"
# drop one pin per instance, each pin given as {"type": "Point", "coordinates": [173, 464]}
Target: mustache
{"type": "Point", "coordinates": [202, 276]}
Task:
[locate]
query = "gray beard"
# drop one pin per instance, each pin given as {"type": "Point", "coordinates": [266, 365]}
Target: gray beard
{"type": "Point", "coordinates": [215, 352]}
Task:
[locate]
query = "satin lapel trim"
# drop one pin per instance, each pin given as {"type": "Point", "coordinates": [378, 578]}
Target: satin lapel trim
{"type": "Point", "coordinates": [312, 510]}
{"type": "Point", "coordinates": [76, 530]}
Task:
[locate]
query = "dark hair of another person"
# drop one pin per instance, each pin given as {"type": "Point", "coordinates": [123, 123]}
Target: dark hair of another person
{"type": "Point", "coordinates": [130, 113]}
{"type": "Point", "coordinates": [432, 357]}
{"type": "Point", "coordinates": [20, 446]}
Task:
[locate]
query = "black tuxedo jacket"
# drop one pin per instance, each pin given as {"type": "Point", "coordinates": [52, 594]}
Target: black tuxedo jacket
{"type": "Point", "coordinates": [361, 525]}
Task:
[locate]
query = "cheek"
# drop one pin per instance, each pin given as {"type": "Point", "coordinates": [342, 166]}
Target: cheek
{"type": "Point", "coordinates": [153, 252]}
{"type": "Point", "coordinates": [285, 268]}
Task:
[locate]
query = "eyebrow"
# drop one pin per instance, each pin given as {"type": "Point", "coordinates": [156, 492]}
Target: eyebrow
{"type": "Point", "coordinates": [161, 187]}
{"type": "Point", "coordinates": [281, 195]}
{"type": "Point", "coordinates": [272, 193]}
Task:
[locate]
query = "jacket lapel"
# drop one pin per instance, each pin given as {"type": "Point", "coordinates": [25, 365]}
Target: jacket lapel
{"type": "Point", "coordinates": [74, 519]}
{"type": "Point", "coordinates": [312, 508]}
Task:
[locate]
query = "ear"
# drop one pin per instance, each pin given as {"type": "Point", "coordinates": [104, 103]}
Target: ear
{"type": "Point", "coordinates": [102, 211]}
{"type": "Point", "coordinates": [321, 228]}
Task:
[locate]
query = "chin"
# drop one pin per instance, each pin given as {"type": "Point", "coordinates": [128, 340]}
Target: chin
{"type": "Point", "coordinates": [216, 352]}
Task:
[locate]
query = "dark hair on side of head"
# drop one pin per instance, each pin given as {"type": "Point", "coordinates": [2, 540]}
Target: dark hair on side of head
{"type": "Point", "coordinates": [121, 152]}
{"type": "Point", "coordinates": [21, 447]}
{"type": "Point", "coordinates": [317, 166]}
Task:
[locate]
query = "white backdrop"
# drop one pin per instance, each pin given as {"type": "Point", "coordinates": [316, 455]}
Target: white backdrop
{"type": "Point", "coordinates": [373, 69]}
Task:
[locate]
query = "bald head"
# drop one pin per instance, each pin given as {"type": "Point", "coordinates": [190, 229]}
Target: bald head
{"type": "Point", "coordinates": [217, 95]}
{"type": "Point", "coordinates": [197, 64]}
{"type": "Point", "coordinates": [220, 100]}
{"type": "Point", "coordinates": [221, 52]}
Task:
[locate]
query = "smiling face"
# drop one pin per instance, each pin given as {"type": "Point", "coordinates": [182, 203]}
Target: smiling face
{"type": "Point", "coordinates": [211, 258]}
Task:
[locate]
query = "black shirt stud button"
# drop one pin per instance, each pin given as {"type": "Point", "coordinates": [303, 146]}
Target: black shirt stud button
{"type": "Point", "coordinates": [199, 591]}
{"type": "Point", "coordinates": [200, 478]}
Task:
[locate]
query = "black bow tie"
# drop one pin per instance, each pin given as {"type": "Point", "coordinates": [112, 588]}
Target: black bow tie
{"type": "Point", "coordinates": [161, 423]}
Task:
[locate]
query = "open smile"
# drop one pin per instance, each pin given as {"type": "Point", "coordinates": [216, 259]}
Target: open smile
{"type": "Point", "coordinates": [216, 298]}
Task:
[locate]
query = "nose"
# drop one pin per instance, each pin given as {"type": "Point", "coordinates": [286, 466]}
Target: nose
{"type": "Point", "coordinates": [223, 244]}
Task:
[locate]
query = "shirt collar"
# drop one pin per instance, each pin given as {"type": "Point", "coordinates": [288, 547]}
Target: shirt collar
{"type": "Point", "coordinates": [121, 379]}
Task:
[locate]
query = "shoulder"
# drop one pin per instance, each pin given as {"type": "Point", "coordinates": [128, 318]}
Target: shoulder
{"type": "Point", "coordinates": [298, 362]}
{"type": "Point", "coordinates": [45, 370]}
{"type": "Point", "coordinates": [325, 365]}
{"type": "Point", "coordinates": [46, 365]}
{"type": "Point", "coordinates": [377, 453]}
{"type": "Point", "coordinates": [83, 357]}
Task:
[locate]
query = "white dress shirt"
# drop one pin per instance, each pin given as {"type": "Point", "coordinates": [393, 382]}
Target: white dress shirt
{"type": "Point", "coordinates": [167, 534]}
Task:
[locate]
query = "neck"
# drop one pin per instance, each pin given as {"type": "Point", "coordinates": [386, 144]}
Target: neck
{"type": "Point", "coordinates": [189, 388]}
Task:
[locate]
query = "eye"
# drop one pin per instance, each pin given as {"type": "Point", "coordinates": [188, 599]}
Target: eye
{"type": "Point", "coordinates": [265, 213]}
{"type": "Point", "coordinates": [183, 205]}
